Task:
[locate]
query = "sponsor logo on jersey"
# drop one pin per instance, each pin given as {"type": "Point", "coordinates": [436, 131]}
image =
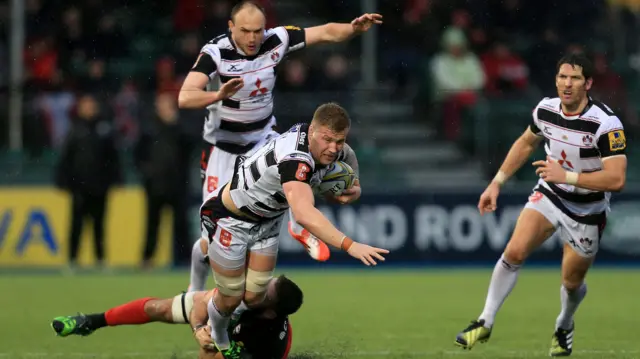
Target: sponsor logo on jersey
{"type": "Point", "coordinates": [617, 141]}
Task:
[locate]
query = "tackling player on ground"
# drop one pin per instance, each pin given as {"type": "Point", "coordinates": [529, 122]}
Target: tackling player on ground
{"type": "Point", "coordinates": [240, 65]}
{"type": "Point", "coordinates": [265, 331]}
{"type": "Point", "coordinates": [242, 219]}
{"type": "Point", "coordinates": [585, 146]}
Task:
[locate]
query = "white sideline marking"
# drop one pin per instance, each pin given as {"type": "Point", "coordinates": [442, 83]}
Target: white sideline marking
{"type": "Point", "coordinates": [357, 353]}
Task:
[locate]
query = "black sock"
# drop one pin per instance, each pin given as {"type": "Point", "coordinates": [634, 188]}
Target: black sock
{"type": "Point", "coordinates": [97, 321]}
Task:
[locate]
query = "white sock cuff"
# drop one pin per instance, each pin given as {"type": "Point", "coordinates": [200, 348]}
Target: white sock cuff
{"type": "Point", "coordinates": [581, 290]}
{"type": "Point", "coordinates": [508, 266]}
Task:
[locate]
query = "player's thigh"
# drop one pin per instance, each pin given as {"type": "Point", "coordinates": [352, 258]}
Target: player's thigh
{"type": "Point", "coordinates": [262, 258]}
{"type": "Point", "coordinates": [581, 244]}
{"type": "Point", "coordinates": [535, 225]}
{"type": "Point", "coordinates": [227, 253]}
{"type": "Point", "coordinates": [219, 170]}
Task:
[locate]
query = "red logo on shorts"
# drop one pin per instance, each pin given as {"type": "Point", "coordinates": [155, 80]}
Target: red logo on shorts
{"type": "Point", "coordinates": [212, 183]}
{"type": "Point", "coordinates": [225, 238]}
{"type": "Point", "coordinates": [535, 197]}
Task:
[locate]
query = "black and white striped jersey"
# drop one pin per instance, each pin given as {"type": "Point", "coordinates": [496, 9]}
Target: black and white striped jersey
{"type": "Point", "coordinates": [256, 186]}
{"type": "Point", "coordinates": [238, 123]}
{"type": "Point", "coordinates": [579, 143]}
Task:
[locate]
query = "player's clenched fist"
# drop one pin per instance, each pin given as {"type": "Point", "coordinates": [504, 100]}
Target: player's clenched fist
{"type": "Point", "coordinates": [366, 253]}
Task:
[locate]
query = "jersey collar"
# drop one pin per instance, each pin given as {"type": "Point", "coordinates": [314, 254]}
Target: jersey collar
{"type": "Point", "coordinates": [575, 116]}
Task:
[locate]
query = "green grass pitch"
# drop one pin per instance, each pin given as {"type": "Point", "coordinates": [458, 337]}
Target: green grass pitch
{"type": "Point", "coordinates": [346, 314]}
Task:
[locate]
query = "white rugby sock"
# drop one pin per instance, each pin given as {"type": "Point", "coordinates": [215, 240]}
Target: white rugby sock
{"type": "Point", "coordinates": [219, 325]}
{"type": "Point", "coordinates": [503, 279]}
{"type": "Point", "coordinates": [570, 302]}
{"type": "Point", "coordinates": [199, 269]}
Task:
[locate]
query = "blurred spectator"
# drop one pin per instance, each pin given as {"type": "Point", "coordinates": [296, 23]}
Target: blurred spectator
{"type": "Point", "coordinates": [55, 106]}
{"type": "Point", "coordinates": [542, 61]}
{"type": "Point", "coordinates": [457, 75]}
{"type": "Point", "coordinates": [88, 168]}
{"type": "Point", "coordinates": [72, 43]}
{"type": "Point", "coordinates": [188, 15]}
{"type": "Point", "coordinates": [95, 79]}
{"type": "Point", "coordinates": [108, 42]}
{"type": "Point", "coordinates": [41, 59]}
{"type": "Point", "coordinates": [163, 161]}
{"type": "Point", "coordinates": [126, 106]}
{"type": "Point", "coordinates": [336, 71]}
{"type": "Point", "coordinates": [165, 78]}
{"type": "Point", "coordinates": [506, 72]}
{"type": "Point", "coordinates": [187, 52]}
{"type": "Point", "coordinates": [609, 88]}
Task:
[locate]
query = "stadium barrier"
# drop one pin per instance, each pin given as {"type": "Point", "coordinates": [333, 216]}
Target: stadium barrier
{"type": "Point", "coordinates": [442, 228]}
{"type": "Point", "coordinates": [35, 222]}
{"type": "Point", "coordinates": [447, 229]}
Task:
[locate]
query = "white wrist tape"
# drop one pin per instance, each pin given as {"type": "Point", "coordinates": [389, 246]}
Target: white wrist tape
{"type": "Point", "coordinates": [572, 178]}
{"type": "Point", "coordinates": [500, 178]}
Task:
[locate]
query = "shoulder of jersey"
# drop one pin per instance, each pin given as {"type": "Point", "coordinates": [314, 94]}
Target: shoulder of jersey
{"type": "Point", "coordinates": [601, 111]}
{"type": "Point", "coordinates": [550, 103]}
{"type": "Point", "coordinates": [218, 40]}
{"type": "Point", "coordinates": [294, 143]}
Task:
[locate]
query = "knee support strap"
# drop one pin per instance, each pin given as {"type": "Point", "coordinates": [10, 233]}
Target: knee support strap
{"type": "Point", "coordinates": [257, 282]}
{"type": "Point", "coordinates": [230, 286]}
{"type": "Point", "coordinates": [181, 308]}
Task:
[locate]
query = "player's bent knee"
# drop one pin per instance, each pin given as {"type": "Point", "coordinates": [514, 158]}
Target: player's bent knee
{"type": "Point", "coordinates": [204, 246]}
{"type": "Point", "coordinates": [515, 254]}
{"type": "Point", "coordinates": [257, 283]}
{"type": "Point", "coordinates": [230, 286]}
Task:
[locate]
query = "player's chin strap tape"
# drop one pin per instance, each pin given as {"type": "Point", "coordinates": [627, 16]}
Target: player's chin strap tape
{"type": "Point", "coordinates": [257, 282]}
{"type": "Point", "coordinates": [181, 307]}
{"type": "Point", "coordinates": [230, 286]}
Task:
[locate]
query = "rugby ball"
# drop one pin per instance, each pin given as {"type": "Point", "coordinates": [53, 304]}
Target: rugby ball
{"type": "Point", "coordinates": [338, 177]}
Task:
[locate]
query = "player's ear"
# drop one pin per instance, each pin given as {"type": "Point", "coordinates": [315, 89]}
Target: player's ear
{"type": "Point", "coordinates": [588, 84]}
{"type": "Point", "coordinates": [230, 23]}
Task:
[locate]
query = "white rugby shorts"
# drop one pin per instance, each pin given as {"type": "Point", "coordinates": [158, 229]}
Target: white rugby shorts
{"type": "Point", "coordinates": [230, 237]}
{"type": "Point", "coordinates": [583, 238]}
{"type": "Point", "coordinates": [216, 165]}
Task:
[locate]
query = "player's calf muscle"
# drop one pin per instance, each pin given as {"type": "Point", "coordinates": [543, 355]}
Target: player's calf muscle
{"type": "Point", "coordinates": [159, 310]}
{"type": "Point", "coordinates": [574, 268]}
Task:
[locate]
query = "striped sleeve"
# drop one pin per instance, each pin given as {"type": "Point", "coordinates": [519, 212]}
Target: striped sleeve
{"type": "Point", "coordinates": [534, 125]}
{"type": "Point", "coordinates": [208, 60]}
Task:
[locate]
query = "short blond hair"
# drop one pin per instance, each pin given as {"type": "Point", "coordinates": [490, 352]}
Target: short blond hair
{"type": "Point", "coordinates": [333, 116]}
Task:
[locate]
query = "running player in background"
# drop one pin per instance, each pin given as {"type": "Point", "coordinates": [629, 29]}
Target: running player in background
{"type": "Point", "coordinates": [585, 146]}
{"type": "Point", "coordinates": [265, 332]}
{"type": "Point", "coordinates": [242, 220]}
{"type": "Point", "coordinates": [240, 65]}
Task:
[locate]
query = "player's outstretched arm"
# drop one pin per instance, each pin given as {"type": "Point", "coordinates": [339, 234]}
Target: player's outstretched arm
{"type": "Point", "coordinates": [336, 32]}
{"type": "Point", "coordinates": [520, 151]}
{"type": "Point", "coordinates": [300, 198]}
